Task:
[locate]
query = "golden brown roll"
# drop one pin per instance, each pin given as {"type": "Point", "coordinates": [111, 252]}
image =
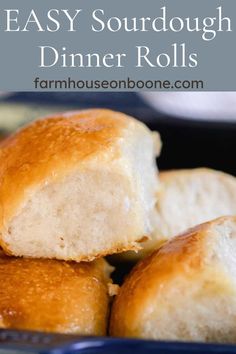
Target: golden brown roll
{"type": "Point", "coordinates": [77, 186]}
{"type": "Point", "coordinates": [186, 290]}
{"type": "Point", "coordinates": [54, 296]}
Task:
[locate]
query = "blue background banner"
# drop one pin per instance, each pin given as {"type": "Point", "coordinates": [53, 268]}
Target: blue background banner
{"type": "Point", "coordinates": [117, 45]}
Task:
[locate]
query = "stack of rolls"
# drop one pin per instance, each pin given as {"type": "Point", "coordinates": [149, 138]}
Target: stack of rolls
{"type": "Point", "coordinates": [79, 186]}
{"type": "Point", "coordinates": [74, 188]}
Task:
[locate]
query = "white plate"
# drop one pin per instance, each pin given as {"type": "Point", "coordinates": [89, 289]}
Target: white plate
{"type": "Point", "coordinates": [205, 106]}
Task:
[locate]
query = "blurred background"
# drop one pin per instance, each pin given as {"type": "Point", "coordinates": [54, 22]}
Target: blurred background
{"type": "Point", "coordinates": [197, 129]}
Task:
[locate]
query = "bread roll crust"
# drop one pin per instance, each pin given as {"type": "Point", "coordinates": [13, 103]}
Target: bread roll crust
{"type": "Point", "coordinates": [90, 151]}
{"type": "Point", "coordinates": [186, 277]}
{"type": "Point", "coordinates": [48, 149]}
{"type": "Point", "coordinates": [54, 296]}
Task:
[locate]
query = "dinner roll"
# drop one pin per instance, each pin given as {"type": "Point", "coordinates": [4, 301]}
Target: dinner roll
{"type": "Point", "coordinates": [77, 186]}
{"type": "Point", "coordinates": [187, 198]}
{"type": "Point", "coordinates": [54, 296]}
{"type": "Point", "coordinates": [184, 291]}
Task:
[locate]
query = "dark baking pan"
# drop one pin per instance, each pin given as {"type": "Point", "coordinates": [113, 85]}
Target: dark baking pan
{"type": "Point", "coordinates": [19, 342]}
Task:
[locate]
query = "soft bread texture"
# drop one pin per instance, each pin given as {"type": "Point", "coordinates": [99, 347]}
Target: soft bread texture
{"type": "Point", "coordinates": [187, 198]}
{"type": "Point", "coordinates": [186, 290]}
{"type": "Point", "coordinates": [77, 186]}
{"type": "Point", "coordinates": [54, 296]}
